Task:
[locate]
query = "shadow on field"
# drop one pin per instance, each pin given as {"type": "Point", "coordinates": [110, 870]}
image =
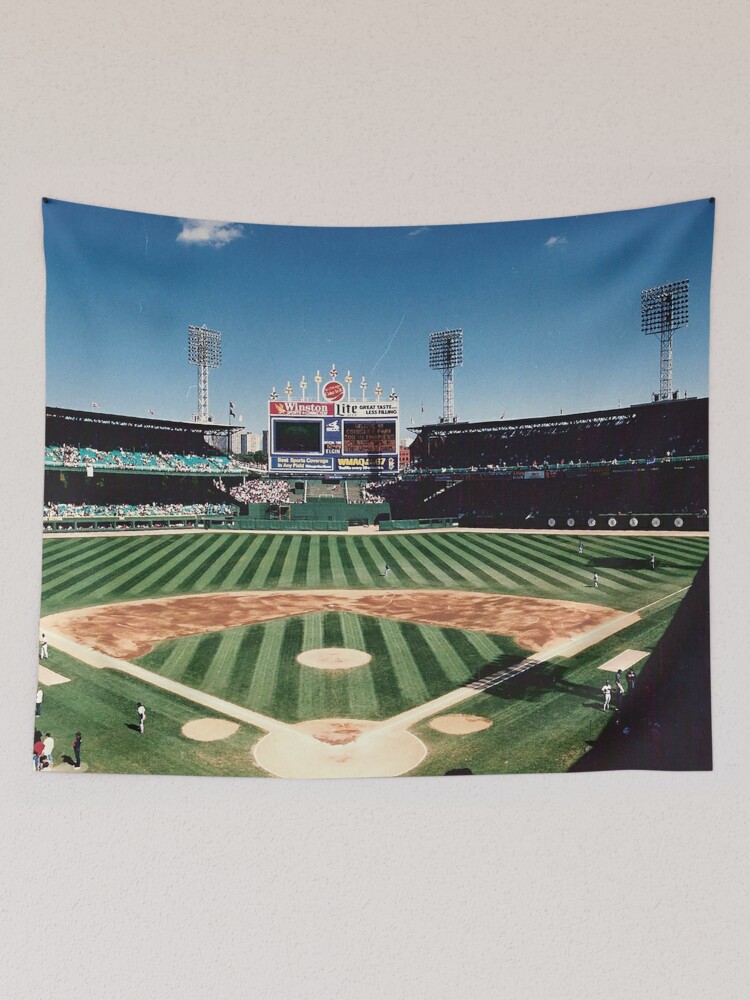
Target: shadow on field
{"type": "Point", "coordinates": [503, 661]}
{"type": "Point", "coordinates": [535, 683]}
{"type": "Point", "coordinates": [613, 562]}
{"type": "Point", "coordinates": [665, 724]}
{"type": "Point", "coordinates": [134, 726]}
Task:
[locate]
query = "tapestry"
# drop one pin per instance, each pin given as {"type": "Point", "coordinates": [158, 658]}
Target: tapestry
{"type": "Point", "coordinates": [358, 502]}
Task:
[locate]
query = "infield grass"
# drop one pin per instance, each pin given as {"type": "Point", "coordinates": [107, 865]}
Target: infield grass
{"type": "Point", "coordinates": [255, 666]}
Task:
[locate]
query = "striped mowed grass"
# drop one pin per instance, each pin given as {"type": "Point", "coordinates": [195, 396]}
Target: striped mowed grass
{"type": "Point", "coordinates": [538, 723]}
{"type": "Point", "coordinates": [79, 571]}
{"type": "Point", "coordinates": [256, 666]}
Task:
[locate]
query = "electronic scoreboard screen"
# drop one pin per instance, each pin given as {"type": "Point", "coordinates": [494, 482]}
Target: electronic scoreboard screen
{"type": "Point", "coordinates": [298, 437]}
{"type": "Point", "coordinates": [369, 437]}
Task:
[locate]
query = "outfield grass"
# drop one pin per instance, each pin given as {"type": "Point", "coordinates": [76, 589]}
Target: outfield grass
{"type": "Point", "coordinates": [80, 571]}
{"type": "Point", "coordinates": [256, 666]}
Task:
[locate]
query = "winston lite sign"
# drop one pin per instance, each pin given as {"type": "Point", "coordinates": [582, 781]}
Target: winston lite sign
{"type": "Point", "coordinates": [333, 435]}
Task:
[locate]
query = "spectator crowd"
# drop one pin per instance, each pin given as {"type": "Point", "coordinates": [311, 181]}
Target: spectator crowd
{"type": "Point", "coordinates": [69, 456]}
{"type": "Point", "coordinates": [263, 491]}
{"type": "Point", "coordinates": [55, 511]}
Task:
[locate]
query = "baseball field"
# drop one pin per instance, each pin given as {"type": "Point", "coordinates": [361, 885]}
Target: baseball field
{"type": "Point", "coordinates": [318, 655]}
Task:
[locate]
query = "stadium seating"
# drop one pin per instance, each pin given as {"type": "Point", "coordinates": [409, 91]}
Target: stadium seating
{"type": "Point", "coordinates": [117, 460]}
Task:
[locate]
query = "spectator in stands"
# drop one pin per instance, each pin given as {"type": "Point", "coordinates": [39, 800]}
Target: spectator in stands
{"type": "Point", "coordinates": [263, 491]}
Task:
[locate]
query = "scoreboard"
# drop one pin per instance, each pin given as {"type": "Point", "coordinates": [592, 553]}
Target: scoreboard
{"type": "Point", "coordinates": [333, 436]}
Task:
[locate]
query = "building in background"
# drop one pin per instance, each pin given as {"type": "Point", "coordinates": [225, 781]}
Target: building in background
{"type": "Point", "coordinates": [251, 443]}
{"type": "Point", "coordinates": [234, 441]}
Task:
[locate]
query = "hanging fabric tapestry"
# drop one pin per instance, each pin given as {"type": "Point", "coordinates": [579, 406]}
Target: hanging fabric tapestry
{"type": "Point", "coordinates": [352, 502]}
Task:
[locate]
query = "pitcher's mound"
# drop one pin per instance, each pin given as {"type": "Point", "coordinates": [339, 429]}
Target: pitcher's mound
{"type": "Point", "coordinates": [334, 658]}
{"type": "Point", "coordinates": [206, 730]}
{"type": "Point", "coordinates": [460, 724]}
{"type": "Point", "coordinates": [339, 748]}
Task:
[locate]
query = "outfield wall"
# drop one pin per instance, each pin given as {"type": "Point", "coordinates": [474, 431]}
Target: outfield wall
{"type": "Point", "coordinates": [244, 523]}
{"type": "Point", "coordinates": [325, 514]}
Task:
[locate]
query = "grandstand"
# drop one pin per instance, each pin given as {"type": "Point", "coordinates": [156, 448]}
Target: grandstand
{"type": "Point", "coordinates": [107, 470]}
{"type": "Point", "coordinates": [645, 463]}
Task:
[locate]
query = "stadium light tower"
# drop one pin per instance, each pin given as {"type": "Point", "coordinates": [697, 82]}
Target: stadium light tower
{"type": "Point", "coordinates": [204, 351]}
{"type": "Point", "coordinates": [447, 354]}
{"type": "Point", "coordinates": [664, 309]}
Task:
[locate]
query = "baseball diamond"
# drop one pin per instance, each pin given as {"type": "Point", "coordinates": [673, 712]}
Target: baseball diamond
{"type": "Point", "coordinates": [203, 621]}
{"type": "Point", "coordinates": [515, 582]}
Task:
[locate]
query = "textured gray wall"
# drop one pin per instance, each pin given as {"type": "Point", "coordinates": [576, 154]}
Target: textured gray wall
{"type": "Point", "coordinates": [623, 885]}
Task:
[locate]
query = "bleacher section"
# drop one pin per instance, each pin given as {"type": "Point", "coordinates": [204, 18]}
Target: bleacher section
{"type": "Point", "coordinates": [99, 460]}
{"type": "Point", "coordinates": [649, 431]}
{"type": "Point", "coordinates": [610, 467]}
{"type": "Point", "coordinates": [119, 460]}
{"type": "Point", "coordinates": [83, 516]}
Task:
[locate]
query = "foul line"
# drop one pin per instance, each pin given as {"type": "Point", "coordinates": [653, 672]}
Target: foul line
{"type": "Point", "coordinates": [403, 720]}
{"type": "Point", "coordinates": [665, 598]}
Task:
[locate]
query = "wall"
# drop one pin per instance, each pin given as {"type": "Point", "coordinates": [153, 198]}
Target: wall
{"type": "Point", "coordinates": [343, 113]}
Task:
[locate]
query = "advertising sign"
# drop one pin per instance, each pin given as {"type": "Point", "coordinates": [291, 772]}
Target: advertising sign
{"type": "Point", "coordinates": [333, 390]}
{"type": "Point", "coordinates": [367, 409]}
{"type": "Point", "coordinates": [300, 463]}
{"type": "Point", "coordinates": [333, 436]}
{"type": "Point", "coordinates": [294, 409]}
{"type": "Point", "coordinates": [367, 463]}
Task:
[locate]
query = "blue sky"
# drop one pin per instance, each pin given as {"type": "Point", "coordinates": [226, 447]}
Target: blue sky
{"type": "Point", "coordinates": [550, 310]}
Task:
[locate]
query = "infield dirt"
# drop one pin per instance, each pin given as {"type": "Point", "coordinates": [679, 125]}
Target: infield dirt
{"type": "Point", "coordinates": [131, 629]}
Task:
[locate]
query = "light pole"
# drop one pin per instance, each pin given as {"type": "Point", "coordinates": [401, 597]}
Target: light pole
{"type": "Point", "coordinates": [447, 354]}
{"type": "Point", "coordinates": [204, 351]}
{"type": "Point", "coordinates": [664, 309]}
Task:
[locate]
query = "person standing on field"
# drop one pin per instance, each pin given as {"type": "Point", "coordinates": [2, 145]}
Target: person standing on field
{"type": "Point", "coordinates": [43, 648]}
{"type": "Point", "coordinates": [77, 749]}
{"type": "Point", "coordinates": [49, 746]}
{"type": "Point", "coordinates": [38, 750]}
{"type": "Point", "coordinates": [39, 699]}
{"type": "Point", "coordinates": [631, 680]}
{"type": "Point", "coordinates": [596, 580]}
{"type": "Point", "coordinates": [141, 716]}
{"type": "Point", "coordinates": [386, 570]}
{"type": "Point", "coordinates": [580, 547]}
{"type": "Point", "coordinates": [607, 689]}
{"type": "Point", "coordinates": [652, 560]}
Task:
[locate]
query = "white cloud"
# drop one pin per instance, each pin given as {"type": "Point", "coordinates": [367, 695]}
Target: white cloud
{"type": "Point", "coordinates": [556, 241]}
{"type": "Point", "coordinates": [421, 229]}
{"type": "Point", "coordinates": [200, 232]}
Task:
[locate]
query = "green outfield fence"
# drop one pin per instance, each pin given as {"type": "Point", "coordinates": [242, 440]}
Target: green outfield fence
{"type": "Point", "coordinates": [316, 515]}
{"type": "Point", "coordinates": [244, 523]}
{"type": "Point", "coordinates": [99, 523]}
{"type": "Point", "coordinates": [422, 522]}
